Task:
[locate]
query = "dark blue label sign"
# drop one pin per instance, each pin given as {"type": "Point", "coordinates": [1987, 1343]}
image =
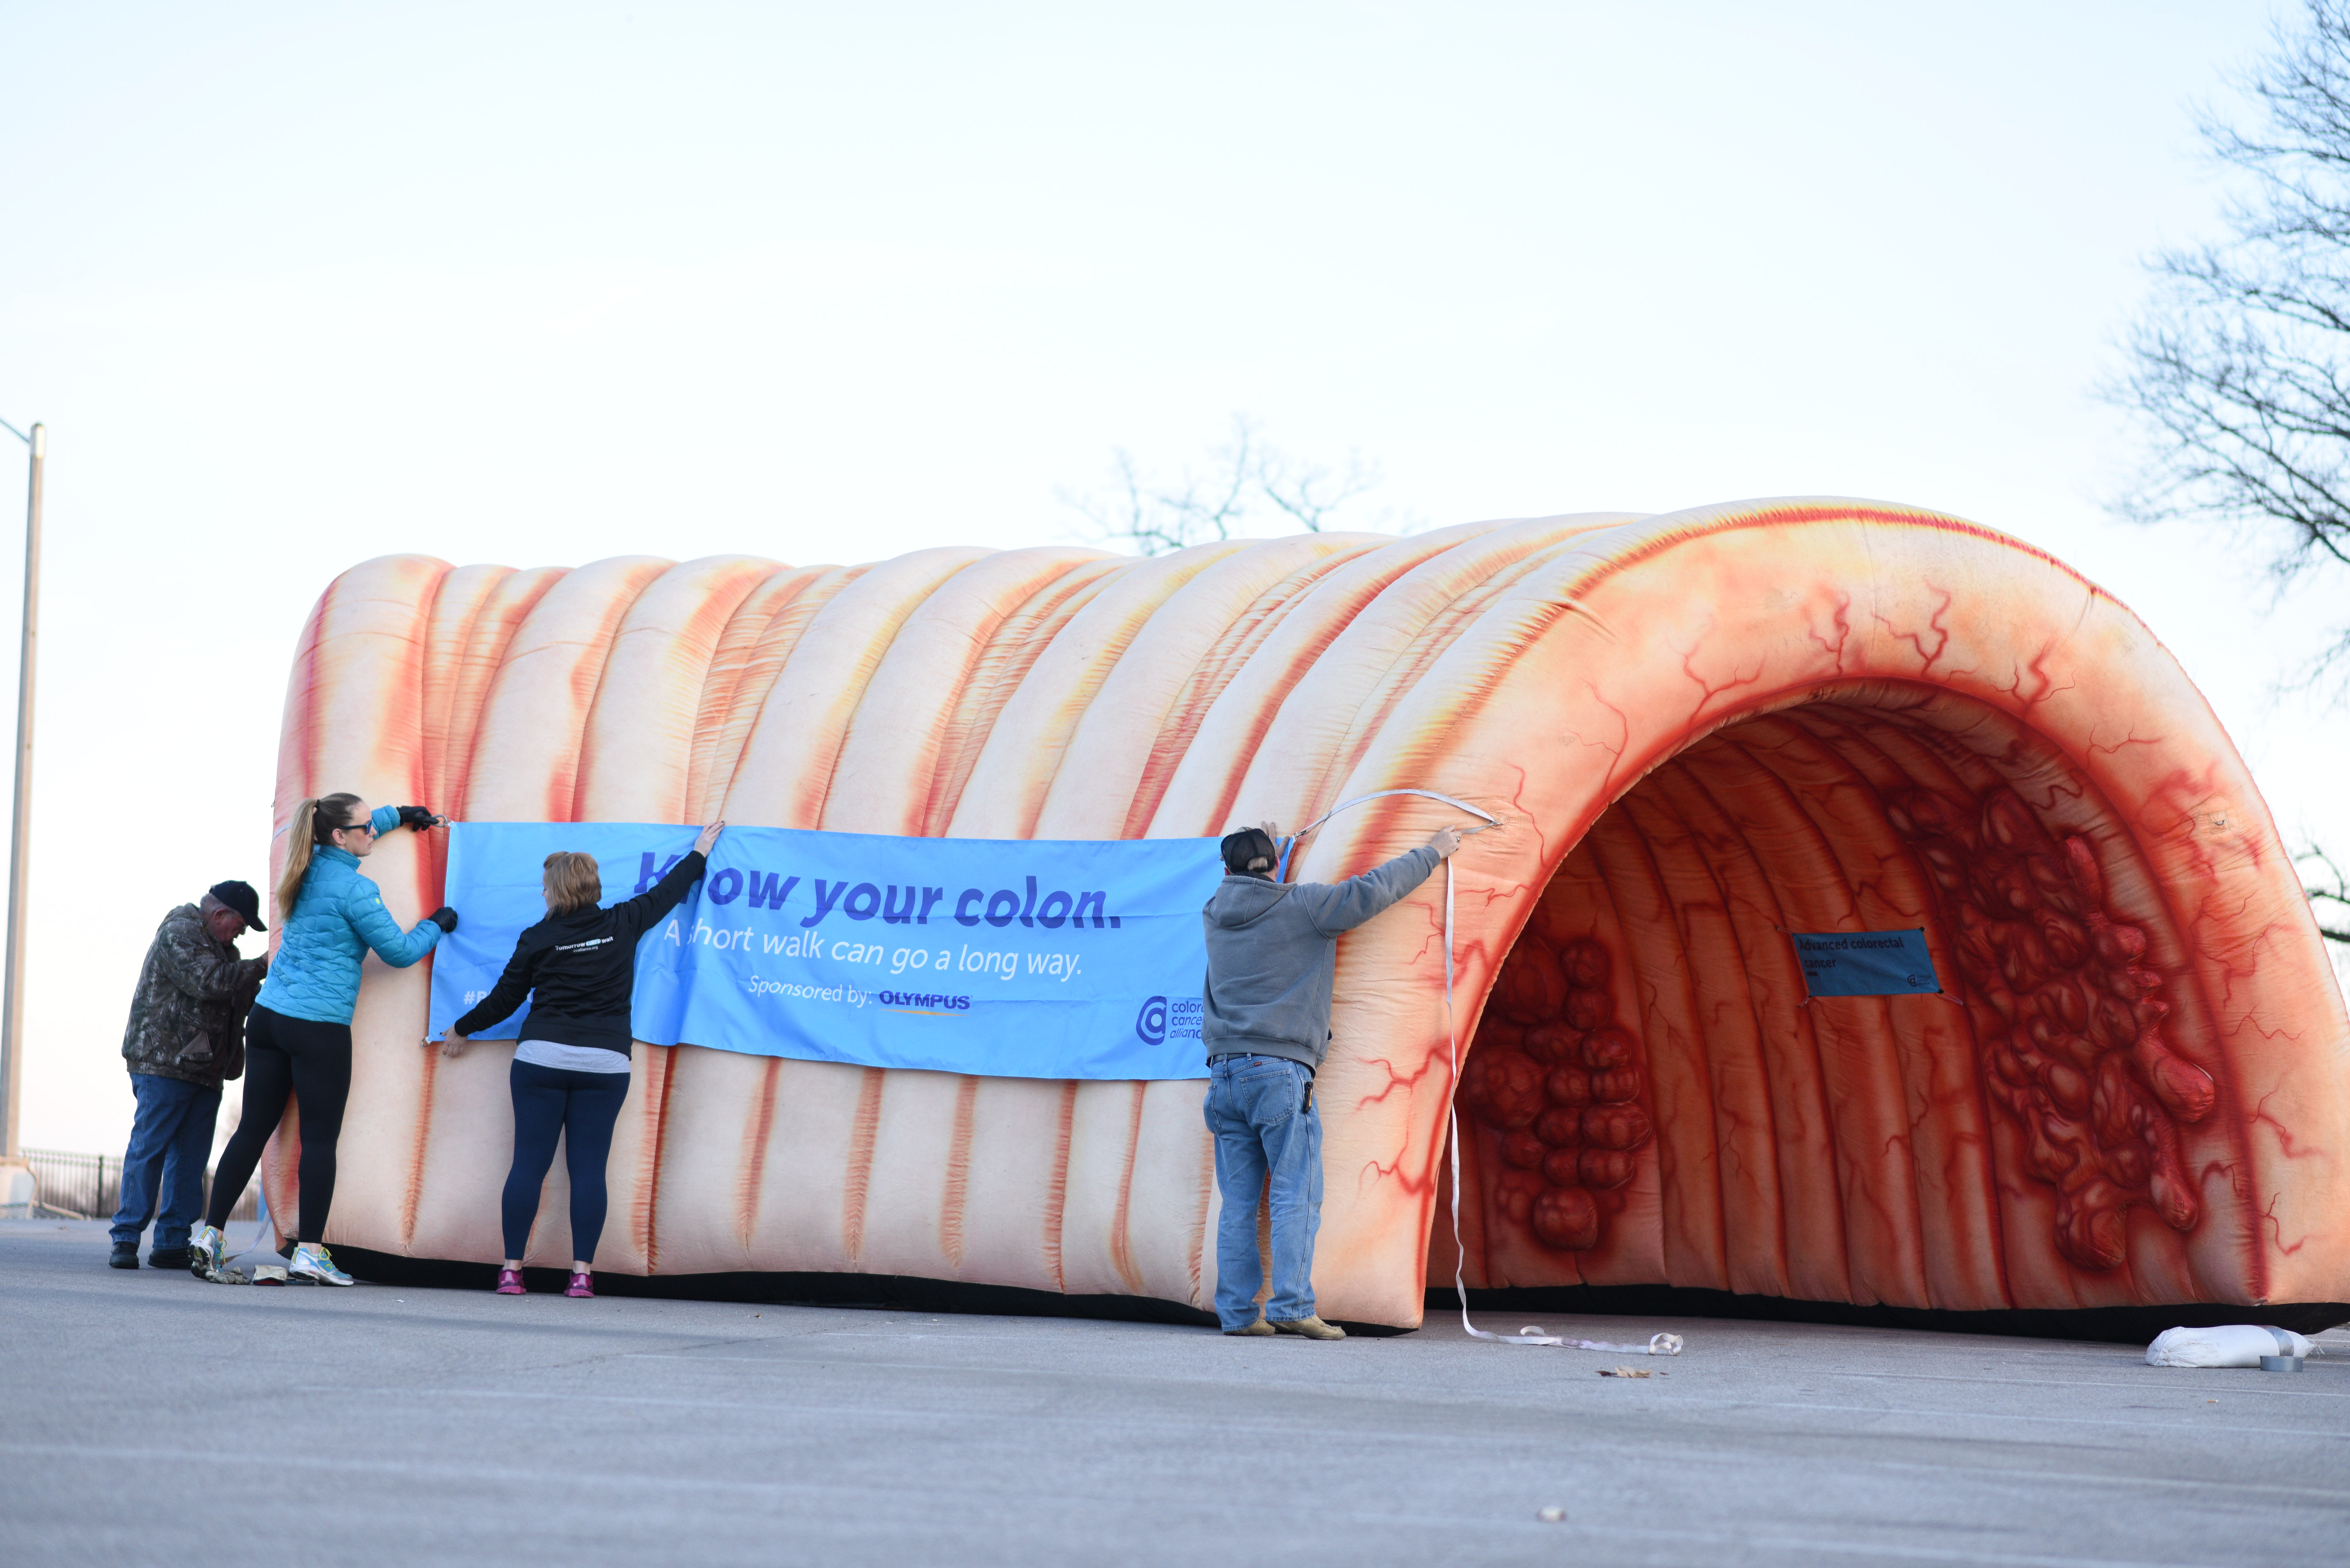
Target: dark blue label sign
{"type": "Point", "coordinates": [1867, 963]}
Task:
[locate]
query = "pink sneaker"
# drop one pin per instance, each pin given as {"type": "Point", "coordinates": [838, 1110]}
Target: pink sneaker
{"type": "Point", "coordinates": [510, 1282]}
{"type": "Point", "coordinates": [581, 1286]}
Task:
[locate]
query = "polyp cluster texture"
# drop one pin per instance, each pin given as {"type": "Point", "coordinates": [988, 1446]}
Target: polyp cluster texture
{"type": "Point", "coordinates": [1701, 732]}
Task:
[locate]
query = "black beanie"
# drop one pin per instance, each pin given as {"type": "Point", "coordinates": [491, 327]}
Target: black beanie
{"type": "Point", "coordinates": [1244, 849]}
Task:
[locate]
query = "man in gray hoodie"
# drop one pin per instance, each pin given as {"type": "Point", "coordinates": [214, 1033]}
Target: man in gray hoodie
{"type": "Point", "coordinates": [1273, 952]}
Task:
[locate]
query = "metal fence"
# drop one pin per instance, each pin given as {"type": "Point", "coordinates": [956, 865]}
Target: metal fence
{"type": "Point", "coordinates": [90, 1186]}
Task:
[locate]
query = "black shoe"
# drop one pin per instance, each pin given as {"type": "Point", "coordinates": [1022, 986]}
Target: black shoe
{"type": "Point", "coordinates": [169, 1258]}
{"type": "Point", "coordinates": [124, 1256]}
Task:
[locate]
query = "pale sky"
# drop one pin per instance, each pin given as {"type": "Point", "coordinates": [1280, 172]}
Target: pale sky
{"type": "Point", "coordinates": [295, 286]}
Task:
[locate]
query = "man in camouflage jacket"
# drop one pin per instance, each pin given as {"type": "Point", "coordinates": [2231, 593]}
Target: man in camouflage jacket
{"type": "Point", "coordinates": [186, 1035]}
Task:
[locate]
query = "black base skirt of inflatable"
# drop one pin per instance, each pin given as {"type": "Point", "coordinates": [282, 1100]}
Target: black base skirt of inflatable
{"type": "Point", "coordinates": [2114, 1325]}
{"type": "Point", "coordinates": [907, 1293]}
{"type": "Point", "coordinates": [879, 1292]}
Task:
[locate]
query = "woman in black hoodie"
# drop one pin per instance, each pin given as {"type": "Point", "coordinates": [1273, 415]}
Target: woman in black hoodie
{"type": "Point", "coordinates": [570, 1068]}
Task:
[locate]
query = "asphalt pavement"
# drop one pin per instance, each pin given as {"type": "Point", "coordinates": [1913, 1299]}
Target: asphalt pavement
{"type": "Point", "coordinates": [148, 1418]}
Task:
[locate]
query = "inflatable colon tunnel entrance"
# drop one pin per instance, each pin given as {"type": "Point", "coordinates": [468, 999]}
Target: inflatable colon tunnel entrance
{"type": "Point", "coordinates": [1701, 731]}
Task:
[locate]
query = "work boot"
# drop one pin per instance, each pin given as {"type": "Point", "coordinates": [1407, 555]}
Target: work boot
{"type": "Point", "coordinates": [1259, 1326]}
{"type": "Point", "coordinates": [124, 1256]}
{"type": "Point", "coordinates": [168, 1258]}
{"type": "Point", "coordinates": [1311, 1328]}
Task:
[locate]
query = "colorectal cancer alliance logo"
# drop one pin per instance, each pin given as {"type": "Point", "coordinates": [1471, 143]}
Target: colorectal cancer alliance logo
{"type": "Point", "coordinates": [1161, 1019]}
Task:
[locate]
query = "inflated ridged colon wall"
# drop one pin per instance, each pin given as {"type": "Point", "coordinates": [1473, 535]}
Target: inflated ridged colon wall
{"type": "Point", "coordinates": [1701, 732]}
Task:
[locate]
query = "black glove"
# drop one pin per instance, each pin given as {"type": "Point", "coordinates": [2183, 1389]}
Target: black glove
{"type": "Point", "coordinates": [444, 916]}
{"type": "Point", "coordinates": [415, 817]}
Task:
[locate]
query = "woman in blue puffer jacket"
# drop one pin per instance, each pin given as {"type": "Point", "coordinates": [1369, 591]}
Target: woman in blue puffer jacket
{"type": "Point", "coordinates": [298, 1037]}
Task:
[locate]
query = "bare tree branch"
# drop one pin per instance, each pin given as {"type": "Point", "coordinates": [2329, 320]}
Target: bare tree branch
{"type": "Point", "coordinates": [2330, 888]}
{"type": "Point", "coordinates": [2240, 366]}
{"type": "Point", "coordinates": [1308, 491]}
{"type": "Point", "coordinates": [1244, 480]}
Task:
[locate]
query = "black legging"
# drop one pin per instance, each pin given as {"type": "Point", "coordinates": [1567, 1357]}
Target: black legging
{"type": "Point", "coordinates": [314, 1061]}
{"type": "Point", "coordinates": [582, 1105]}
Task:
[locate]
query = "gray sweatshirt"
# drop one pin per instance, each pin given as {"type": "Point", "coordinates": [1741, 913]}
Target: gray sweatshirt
{"type": "Point", "coordinates": [1272, 951]}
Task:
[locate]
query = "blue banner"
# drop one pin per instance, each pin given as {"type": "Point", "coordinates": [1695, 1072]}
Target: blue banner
{"type": "Point", "coordinates": [1867, 963]}
{"type": "Point", "coordinates": [1012, 957]}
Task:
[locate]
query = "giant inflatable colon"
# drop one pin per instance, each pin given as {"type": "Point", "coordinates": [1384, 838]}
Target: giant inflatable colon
{"type": "Point", "coordinates": [1701, 732]}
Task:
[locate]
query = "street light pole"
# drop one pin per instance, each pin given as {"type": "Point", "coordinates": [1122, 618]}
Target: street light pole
{"type": "Point", "coordinates": [12, 1004]}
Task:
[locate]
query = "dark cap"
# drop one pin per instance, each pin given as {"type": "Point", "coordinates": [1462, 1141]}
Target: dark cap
{"type": "Point", "coordinates": [1243, 849]}
{"type": "Point", "coordinates": [239, 897]}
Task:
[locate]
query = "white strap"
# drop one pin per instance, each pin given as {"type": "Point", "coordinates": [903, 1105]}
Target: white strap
{"type": "Point", "coordinates": [1659, 1345]}
{"type": "Point", "coordinates": [1283, 869]}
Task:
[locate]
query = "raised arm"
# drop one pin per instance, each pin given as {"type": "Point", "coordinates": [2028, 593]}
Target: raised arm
{"type": "Point", "coordinates": [1342, 906]}
{"type": "Point", "coordinates": [639, 914]}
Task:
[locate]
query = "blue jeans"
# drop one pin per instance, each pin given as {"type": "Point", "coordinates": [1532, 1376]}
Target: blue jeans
{"type": "Point", "coordinates": [1266, 1126]}
{"type": "Point", "coordinates": [171, 1137]}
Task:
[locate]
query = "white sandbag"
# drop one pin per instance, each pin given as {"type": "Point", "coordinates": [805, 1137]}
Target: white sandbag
{"type": "Point", "coordinates": [2235, 1345]}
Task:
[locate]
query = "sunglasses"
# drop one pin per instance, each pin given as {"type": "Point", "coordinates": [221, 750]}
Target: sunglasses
{"type": "Point", "coordinates": [366, 827]}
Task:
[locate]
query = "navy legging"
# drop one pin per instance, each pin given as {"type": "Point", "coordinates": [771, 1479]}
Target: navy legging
{"type": "Point", "coordinates": [583, 1106]}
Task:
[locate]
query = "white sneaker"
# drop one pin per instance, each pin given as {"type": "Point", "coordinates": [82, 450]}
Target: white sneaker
{"type": "Point", "coordinates": [206, 1251]}
{"type": "Point", "coordinates": [313, 1264]}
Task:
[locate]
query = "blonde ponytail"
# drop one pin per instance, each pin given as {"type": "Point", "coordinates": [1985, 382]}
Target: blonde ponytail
{"type": "Point", "coordinates": [314, 823]}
